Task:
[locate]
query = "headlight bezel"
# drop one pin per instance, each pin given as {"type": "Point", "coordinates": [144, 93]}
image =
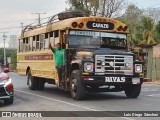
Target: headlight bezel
{"type": "Point", "coordinates": [138, 68]}
{"type": "Point", "coordinates": [88, 67]}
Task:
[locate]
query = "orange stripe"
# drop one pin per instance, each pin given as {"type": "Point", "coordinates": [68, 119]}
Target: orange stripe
{"type": "Point", "coordinates": [39, 57]}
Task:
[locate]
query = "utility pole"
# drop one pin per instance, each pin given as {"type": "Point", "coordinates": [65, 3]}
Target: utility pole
{"type": "Point", "coordinates": [39, 17]}
{"type": "Point", "coordinates": [4, 38]}
{"type": "Point", "coordinates": [22, 25]}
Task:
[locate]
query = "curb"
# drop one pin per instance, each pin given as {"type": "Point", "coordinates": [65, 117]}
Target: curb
{"type": "Point", "coordinates": [150, 81]}
{"type": "Point", "coordinates": [147, 80]}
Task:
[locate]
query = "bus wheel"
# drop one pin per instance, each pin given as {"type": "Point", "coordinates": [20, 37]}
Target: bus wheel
{"type": "Point", "coordinates": [31, 81]}
{"type": "Point", "coordinates": [41, 84]}
{"type": "Point", "coordinates": [76, 85]}
{"type": "Point", "coordinates": [133, 91]}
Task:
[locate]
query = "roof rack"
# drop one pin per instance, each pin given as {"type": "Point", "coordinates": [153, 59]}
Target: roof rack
{"type": "Point", "coordinates": [50, 20]}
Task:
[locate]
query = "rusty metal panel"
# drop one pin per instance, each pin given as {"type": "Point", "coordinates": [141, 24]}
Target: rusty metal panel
{"type": "Point", "coordinates": [156, 53]}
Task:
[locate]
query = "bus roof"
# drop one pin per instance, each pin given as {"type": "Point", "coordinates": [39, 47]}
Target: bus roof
{"type": "Point", "coordinates": [99, 22]}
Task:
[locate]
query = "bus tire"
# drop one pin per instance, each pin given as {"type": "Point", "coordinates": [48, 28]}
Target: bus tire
{"type": "Point", "coordinates": [41, 84]}
{"type": "Point", "coordinates": [77, 88]}
{"type": "Point", "coordinates": [133, 91]}
{"type": "Point", "coordinates": [31, 81]}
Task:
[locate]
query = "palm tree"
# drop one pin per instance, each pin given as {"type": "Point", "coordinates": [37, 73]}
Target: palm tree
{"type": "Point", "coordinates": [148, 33]}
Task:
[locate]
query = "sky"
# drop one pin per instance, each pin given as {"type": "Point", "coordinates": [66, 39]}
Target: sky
{"type": "Point", "coordinates": [15, 12]}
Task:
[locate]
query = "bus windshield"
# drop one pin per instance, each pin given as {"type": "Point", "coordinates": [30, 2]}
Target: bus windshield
{"type": "Point", "coordinates": [89, 39]}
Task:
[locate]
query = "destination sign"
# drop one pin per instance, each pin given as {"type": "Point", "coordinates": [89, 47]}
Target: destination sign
{"type": "Point", "coordinates": [84, 33]}
{"type": "Point", "coordinates": [100, 25]}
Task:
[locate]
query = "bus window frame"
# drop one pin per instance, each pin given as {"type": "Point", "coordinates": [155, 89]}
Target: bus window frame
{"type": "Point", "coordinates": [37, 43]}
{"type": "Point", "coordinates": [34, 43]}
{"type": "Point", "coordinates": [46, 40]}
{"type": "Point", "coordinates": [42, 41]}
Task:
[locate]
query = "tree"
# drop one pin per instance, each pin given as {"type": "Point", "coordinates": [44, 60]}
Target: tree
{"type": "Point", "coordinates": [89, 7]}
{"type": "Point", "coordinates": [111, 8]}
{"type": "Point", "coordinates": [132, 18]}
{"type": "Point", "coordinates": [9, 53]}
{"type": "Point", "coordinates": [158, 32]}
{"type": "Point", "coordinates": [104, 8]}
{"type": "Point", "coordinates": [148, 33]}
{"type": "Point", "coordinates": [153, 13]}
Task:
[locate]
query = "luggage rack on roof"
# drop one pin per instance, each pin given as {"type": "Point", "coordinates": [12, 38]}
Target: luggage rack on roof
{"type": "Point", "coordinates": [53, 19]}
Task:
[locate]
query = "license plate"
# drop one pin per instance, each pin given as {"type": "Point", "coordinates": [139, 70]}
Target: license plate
{"type": "Point", "coordinates": [115, 79]}
{"type": "Point", "coordinates": [135, 80]}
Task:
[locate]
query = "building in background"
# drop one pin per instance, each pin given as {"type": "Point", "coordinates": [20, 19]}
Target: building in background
{"type": "Point", "coordinates": [13, 41]}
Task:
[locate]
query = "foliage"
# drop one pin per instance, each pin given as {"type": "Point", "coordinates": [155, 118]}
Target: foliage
{"type": "Point", "coordinates": [104, 8]}
{"type": "Point", "coordinates": [142, 27]}
{"type": "Point", "coordinates": [111, 8]}
{"type": "Point", "coordinates": [148, 33]}
{"type": "Point", "coordinates": [153, 13]}
{"type": "Point", "coordinates": [9, 53]}
{"type": "Point", "coordinates": [89, 7]}
{"type": "Point", "coordinates": [132, 14]}
{"type": "Point", "coordinates": [158, 32]}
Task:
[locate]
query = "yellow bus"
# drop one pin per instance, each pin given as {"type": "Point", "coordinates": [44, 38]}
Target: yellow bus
{"type": "Point", "coordinates": [97, 56]}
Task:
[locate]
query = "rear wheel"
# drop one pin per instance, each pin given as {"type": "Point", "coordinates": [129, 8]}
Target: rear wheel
{"type": "Point", "coordinates": [31, 81]}
{"type": "Point", "coordinates": [8, 101]}
{"type": "Point", "coordinates": [76, 85]}
{"type": "Point", "coordinates": [133, 91]}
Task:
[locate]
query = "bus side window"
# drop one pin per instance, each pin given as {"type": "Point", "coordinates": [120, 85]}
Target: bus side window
{"type": "Point", "coordinates": [20, 45]}
{"type": "Point", "coordinates": [24, 45]}
{"type": "Point", "coordinates": [51, 38]}
{"type": "Point", "coordinates": [42, 37]}
{"type": "Point", "coordinates": [27, 45]}
{"type": "Point", "coordinates": [30, 43]}
{"type": "Point", "coordinates": [34, 43]}
{"type": "Point", "coordinates": [37, 42]}
{"type": "Point", "coordinates": [46, 41]}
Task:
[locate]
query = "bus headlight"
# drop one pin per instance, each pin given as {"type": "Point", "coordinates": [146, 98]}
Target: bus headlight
{"type": "Point", "coordinates": [88, 67]}
{"type": "Point", "coordinates": [138, 68]}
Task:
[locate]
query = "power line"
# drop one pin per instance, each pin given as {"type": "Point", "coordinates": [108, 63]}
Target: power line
{"type": "Point", "coordinates": [39, 16]}
{"type": "Point", "coordinates": [9, 28]}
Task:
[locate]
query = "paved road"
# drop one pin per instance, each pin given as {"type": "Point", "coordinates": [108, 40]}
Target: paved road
{"type": "Point", "coordinates": [53, 99]}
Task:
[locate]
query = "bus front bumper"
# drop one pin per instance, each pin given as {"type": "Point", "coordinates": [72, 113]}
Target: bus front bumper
{"type": "Point", "coordinates": [111, 80]}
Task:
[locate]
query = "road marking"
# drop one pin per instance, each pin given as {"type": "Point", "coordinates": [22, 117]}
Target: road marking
{"type": "Point", "coordinates": [69, 103]}
{"type": "Point", "coordinates": [56, 100]}
{"type": "Point", "coordinates": [150, 89]}
{"type": "Point", "coordinates": [154, 95]}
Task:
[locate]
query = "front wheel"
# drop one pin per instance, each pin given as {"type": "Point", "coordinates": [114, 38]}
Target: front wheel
{"type": "Point", "coordinates": [77, 86]}
{"type": "Point", "coordinates": [133, 91]}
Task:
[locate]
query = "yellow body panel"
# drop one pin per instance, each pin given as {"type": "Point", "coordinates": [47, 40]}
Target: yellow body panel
{"type": "Point", "coordinates": [39, 68]}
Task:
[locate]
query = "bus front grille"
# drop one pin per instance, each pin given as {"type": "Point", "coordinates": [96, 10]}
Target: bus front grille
{"type": "Point", "coordinates": [113, 64]}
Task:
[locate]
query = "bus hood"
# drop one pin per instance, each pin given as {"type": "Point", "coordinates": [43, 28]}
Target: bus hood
{"type": "Point", "coordinates": [109, 51]}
